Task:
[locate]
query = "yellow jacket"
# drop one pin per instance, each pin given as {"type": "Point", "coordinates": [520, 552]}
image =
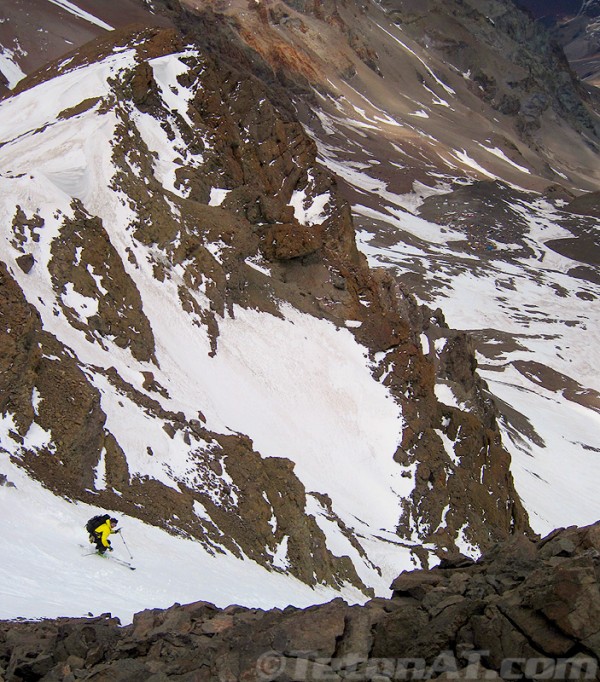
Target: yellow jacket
{"type": "Point", "coordinates": [104, 530]}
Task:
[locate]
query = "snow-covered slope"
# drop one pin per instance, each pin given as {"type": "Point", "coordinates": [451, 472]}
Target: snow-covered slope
{"type": "Point", "coordinates": [515, 268]}
{"type": "Point", "coordinates": [537, 331]}
{"type": "Point", "coordinates": [48, 571]}
{"type": "Point", "coordinates": [36, 32]}
{"type": "Point", "coordinates": [462, 186]}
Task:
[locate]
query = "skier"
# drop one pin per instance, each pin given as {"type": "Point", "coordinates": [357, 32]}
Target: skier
{"type": "Point", "coordinates": [99, 534]}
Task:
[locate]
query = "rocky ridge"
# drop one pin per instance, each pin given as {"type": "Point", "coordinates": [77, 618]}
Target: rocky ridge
{"type": "Point", "coordinates": [577, 30]}
{"type": "Point", "coordinates": [494, 58]}
{"type": "Point", "coordinates": [463, 119]}
{"type": "Point", "coordinates": [527, 609]}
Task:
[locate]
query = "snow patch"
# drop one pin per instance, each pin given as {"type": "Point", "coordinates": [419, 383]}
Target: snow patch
{"type": "Point", "coordinates": [9, 67]}
{"type": "Point", "coordinates": [309, 211]}
{"type": "Point", "coordinates": [280, 558]}
{"type": "Point", "coordinates": [217, 196]}
{"type": "Point", "coordinates": [501, 155]}
{"type": "Point", "coordinates": [83, 306]}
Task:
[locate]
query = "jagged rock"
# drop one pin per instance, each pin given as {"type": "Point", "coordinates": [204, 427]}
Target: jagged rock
{"type": "Point", "coordinates": [142, 83]}
{"type": "Point", "coordinates": [262, 156]}
{"type": "Point", "coordinates": [119, 312]}
{"type": "Point", "coordinates": [455, 560]}
{"type": "Point", "coordinates": [26, 262]}
{"type": "Point", "coordinates": [415, 584]}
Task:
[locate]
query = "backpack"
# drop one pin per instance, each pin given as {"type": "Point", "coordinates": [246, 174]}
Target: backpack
{"type": "Point", "coordinates": [96, 521]}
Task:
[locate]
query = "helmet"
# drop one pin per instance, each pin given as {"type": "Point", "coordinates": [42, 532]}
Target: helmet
{"type": "Point", "coordinates": [113, 522]}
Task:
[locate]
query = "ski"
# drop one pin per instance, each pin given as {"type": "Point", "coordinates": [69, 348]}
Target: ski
{"type": "Point", "coordinates": [112, 558]}
{"type": "Point", "coordinates": [123, 563]}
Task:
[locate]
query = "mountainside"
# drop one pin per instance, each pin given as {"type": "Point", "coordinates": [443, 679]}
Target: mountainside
{"type": "Point", "coordinates": [553, 9]}
{"type": "Point", "coordinates": [472, 172]}
{"type": "Point", "coordinates": [34, 32]}
{"type": "Point", "coordinates": [576, 26]}
{"type": "Point", "coordinates": [238, 261]}
{"type": "Point", "coordinates": [432, 165]}
{"type": "Point", "coordinates": [580, 38]}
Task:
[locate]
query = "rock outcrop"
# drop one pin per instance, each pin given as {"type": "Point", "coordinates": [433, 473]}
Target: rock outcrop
{"type": "Point", "coordinates": [527, 609]}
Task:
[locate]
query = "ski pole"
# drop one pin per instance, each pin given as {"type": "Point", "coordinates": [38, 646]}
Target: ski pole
{"type": "Point", "coordinates": [127, 548]}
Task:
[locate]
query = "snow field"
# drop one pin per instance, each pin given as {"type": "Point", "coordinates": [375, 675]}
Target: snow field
{"type": "Point", "coordinates": [533, 304]}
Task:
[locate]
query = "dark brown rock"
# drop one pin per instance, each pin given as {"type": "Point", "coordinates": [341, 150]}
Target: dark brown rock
{"type": "Point", "coordinates": [143, 85]}
{"type": "Point", "coordinates": [415, 583]}
{"type": "Point", "coordinates": [26, 262]}
{"type": "Point", "coordinates": [284, 242]}
{"type": "Point", "coordinates": [394, 635]}
{"type": "Point", "coordinates": [455, 560]}
{"type": "Point", "coordinates": [586, 204]}
{"type": "Point", "coordinates": [252, 145]}
{"type": "Point", "coordinates": [497, 636]}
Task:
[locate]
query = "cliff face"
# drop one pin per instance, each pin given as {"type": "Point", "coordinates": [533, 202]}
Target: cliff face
{"type": "Point", "coordinates": [514, 82]}
{"type": "Point", "coordinates": [576, 27]}
{"type": "Point", "coordinates": [580, 38]}
{"type": "Point", "coordinates": [524, 610]}
{"type": "Point", "coordinates": [465, 116]}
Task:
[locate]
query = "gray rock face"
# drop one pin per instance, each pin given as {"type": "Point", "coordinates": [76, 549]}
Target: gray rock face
{"type": "Point", "coordinates": [576, 27]}
{"type": "Point", "coordinates": [518, 69]}
{"type": "Point", "coordinates": [526, 610]}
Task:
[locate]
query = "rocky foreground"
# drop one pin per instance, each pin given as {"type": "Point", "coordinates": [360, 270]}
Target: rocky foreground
{"type": "Point", "coordinates": [526, 610]}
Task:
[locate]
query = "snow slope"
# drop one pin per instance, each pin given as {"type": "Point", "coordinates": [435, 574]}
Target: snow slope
{"type": "Point", "coordinates": [267, 378]}
{"type": "Point", "coordinates": [46, 571]}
